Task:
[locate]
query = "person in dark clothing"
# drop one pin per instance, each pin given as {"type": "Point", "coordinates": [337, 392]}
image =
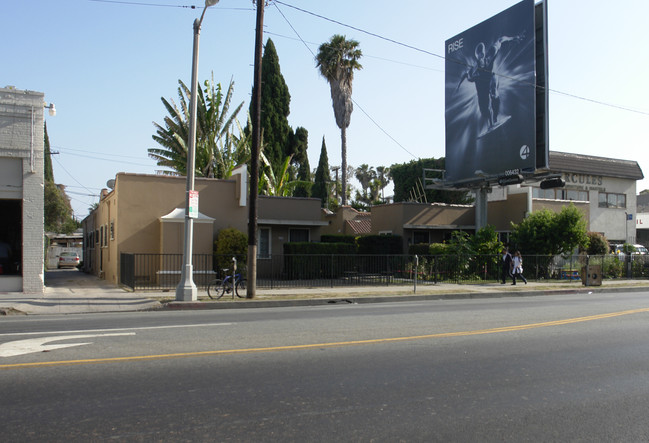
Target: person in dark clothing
{"type": "Point", "coordinates": [506, 265]}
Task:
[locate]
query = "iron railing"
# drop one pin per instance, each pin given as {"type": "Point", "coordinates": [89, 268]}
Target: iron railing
{"type": "Point", "coordinates": [162, 271]}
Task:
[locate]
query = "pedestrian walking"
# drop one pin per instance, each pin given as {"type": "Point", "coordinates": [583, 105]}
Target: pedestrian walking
{"type": "Point", "coordinates": [517, 267]}
{"type": "Point", "coordinates": [506, 264]}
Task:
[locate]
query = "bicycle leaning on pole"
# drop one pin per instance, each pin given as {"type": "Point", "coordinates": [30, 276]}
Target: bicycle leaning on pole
{"type": "Point", "coordinates": [218, 287]}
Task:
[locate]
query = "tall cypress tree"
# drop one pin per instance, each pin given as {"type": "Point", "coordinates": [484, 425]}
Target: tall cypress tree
{"type": "Point", "coordinates": [48, 173]}
{"type": "Point", "coordinates": [321, 185]}
{"type": "Point", "coordinates": [275, 108]}
{"type": "Point", "coordinates": [300, 161]}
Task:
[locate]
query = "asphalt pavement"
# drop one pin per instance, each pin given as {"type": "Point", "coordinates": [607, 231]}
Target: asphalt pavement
{"type": "Point", "coordinates": [74, 292]}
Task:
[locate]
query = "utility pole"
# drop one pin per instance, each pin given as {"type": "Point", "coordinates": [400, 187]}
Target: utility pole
{"type": "Point", "coordinates": [251, 287]}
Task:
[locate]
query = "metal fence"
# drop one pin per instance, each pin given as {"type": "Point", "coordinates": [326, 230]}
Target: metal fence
{"type": "Point", "coordinates": [162, 271]}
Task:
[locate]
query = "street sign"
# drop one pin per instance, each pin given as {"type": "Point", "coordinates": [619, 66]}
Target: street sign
{"type": "Point", "coordinates": [193, 204]}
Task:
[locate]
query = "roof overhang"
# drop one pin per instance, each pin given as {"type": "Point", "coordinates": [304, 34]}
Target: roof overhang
{"type": "Point", "coordinates": [178, 216]}
{"type": "Point", "coordinates": [280, 222]}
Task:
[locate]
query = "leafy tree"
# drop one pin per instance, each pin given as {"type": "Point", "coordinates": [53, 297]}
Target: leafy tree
{"type": "Point", "coordinates": [485, 241]}
{"type": "Point", "coordinates": [57, 211]}
{"type": "Point", "coordinates": [548, 233]}
{"type": "Point", "coordinates": [321, 186]}
{"type": "Point", "coordinates": [213, 129]}
{"type": "Point", "coordinates": [337, 60]}
{"type": "Point", "coordinates": [597, 244]}
{"type": "Point", "coordinates": [408, 176]}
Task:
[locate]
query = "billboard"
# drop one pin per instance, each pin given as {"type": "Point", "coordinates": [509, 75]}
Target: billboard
{"type": "Point", "coordinates": [491, 97]}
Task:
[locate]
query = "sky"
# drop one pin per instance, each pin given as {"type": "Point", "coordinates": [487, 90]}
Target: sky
{"type": "Point", "coordinates": [106, 64]}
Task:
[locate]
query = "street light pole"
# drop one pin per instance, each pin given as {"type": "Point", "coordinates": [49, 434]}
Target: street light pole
{"type": "Point", "coordinates": [186, 289]}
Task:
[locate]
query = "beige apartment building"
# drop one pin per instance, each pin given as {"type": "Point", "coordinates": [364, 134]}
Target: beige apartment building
{"type": "Point", "coordinates": [144, 214]}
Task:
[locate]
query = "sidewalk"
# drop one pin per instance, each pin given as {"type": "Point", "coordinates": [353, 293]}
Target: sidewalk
{"type": "Point", "coordinates": [73, 292]}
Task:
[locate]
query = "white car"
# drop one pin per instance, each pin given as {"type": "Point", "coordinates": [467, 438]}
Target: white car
{"type": "Point", "coordinates": [68, 259]}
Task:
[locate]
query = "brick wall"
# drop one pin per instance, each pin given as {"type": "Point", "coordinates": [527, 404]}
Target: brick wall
{"type": "Point", "coordinates": [21, 137]}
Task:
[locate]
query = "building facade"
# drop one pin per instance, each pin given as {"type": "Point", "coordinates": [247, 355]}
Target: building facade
{"type": "Point", "coordinates": [606, 185]}
{"type": "Point", "coordinates": [21, 191]}
{"type": "Point", "coordinates": [145, 214]}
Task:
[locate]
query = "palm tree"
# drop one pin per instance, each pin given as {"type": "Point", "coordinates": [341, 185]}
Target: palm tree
{"type": "Point", "coordinates": [337, 60]}
{"type": "Point", "coordinates": [213, 131]}
{"type": "Point", "coordinates": [365, 175]}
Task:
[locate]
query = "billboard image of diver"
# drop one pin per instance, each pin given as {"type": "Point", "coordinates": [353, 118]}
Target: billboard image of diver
{"type": "Point", "coordinates": [490, 97]}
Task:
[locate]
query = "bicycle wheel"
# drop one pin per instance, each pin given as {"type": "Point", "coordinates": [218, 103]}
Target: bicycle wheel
{"type": "Point", "coordinates": [241, 286]}
{"type": "Point", "coordinates": [214, 289]}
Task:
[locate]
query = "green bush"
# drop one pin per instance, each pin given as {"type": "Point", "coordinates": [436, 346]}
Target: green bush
{"type": "Point", "coordinates": [597, 244]}
{"type": "Point", "coordinates": [306, 261]}
{"type": "Point", "coordinates": [418, 249]}
{"type": "Point", "coordinates": [380, 244]}
{"type": "Point", "coordinates": [230, 243]}
{"type": "Point", "coordinates": [437, 249]}
{"type": "Point", "coordinates": [293, 248]}
{"type": "Point", "coordinates": [338, 238]}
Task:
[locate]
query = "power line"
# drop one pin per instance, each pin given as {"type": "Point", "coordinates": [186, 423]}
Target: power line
{"type": "Point", "coordinates": [161, 5]}
{"type": "Point", "coordinates": [71, 176]}
{"type": "Point", "coordinates": [433, 54]}
{"type": "Point", "coordinates": [354, 101]}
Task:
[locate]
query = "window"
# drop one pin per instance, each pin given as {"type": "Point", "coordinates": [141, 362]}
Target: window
{"type": "Point", "coordinates": [420, 237]}
{"type": "Point", "coordinates": [263, 243]}
{"type": "Point", "coordinates": [112, 230]}
{"type": "Point", "coordinates": [611, 200]}
{"type": "Point", "coordinates": [560, 194]}
{"type": "Point", "coordinates": [298, 235]}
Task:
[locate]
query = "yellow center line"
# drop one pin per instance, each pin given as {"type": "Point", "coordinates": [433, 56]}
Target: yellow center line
{"type": "Point", "coordinates": [325, 345]}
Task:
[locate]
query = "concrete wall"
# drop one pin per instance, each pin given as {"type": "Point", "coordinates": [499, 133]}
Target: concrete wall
{"type": "Point", "coordinates": [21, 145]}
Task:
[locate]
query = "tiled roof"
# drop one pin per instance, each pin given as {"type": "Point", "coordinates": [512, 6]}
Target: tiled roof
{"type": "Point", "coordinates": [361, 224]}
{"type": "Point", "coordinates": [588, 164]}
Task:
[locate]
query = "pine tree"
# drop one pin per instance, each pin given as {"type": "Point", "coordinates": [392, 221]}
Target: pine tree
{"type": "Point", "coordinates": [321, 185]}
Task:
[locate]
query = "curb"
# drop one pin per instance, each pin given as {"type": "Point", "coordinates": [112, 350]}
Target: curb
{"type": "Point", "coordinates": [245, 304]}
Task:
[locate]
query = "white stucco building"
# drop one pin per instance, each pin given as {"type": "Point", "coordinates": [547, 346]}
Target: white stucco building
{"type": "Point", "coordinates": [607, 185]}
{"type": "Point", "coordinates": [21, 191]}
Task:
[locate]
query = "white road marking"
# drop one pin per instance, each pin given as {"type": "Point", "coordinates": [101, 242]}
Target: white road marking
{"type": "Point", "coordinates": [32, 345]}
{"type": "Point", "coordinates": [115, 329]}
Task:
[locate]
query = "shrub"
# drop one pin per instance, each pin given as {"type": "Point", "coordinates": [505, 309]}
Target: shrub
{"type": "Point", "coordinates": [419, 249]}
{"type": "Point", "coordinates": [597, 244]}
{"type": "Point", "coordinates": [338, 238]}
{"type": "Point", "coordinates": [230, 243]}
{"type": "Point", "coordinates": [380, 244]}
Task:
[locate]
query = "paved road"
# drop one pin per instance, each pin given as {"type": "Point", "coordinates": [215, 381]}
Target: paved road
{"type": "Point", "coordinates": [553, 368]}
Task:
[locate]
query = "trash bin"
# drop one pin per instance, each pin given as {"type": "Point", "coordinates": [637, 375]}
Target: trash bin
{"type": "Point", "coordinates": [591, 275]}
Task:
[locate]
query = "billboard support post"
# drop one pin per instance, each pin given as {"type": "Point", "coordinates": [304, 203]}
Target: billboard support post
{"type": "Point", "coordinates": [481, 208]}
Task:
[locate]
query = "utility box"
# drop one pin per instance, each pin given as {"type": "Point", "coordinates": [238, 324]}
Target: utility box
{"type": "Point", "coordinates": [591, 275]}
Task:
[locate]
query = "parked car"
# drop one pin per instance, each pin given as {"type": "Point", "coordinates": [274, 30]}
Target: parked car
{"type": "Point", "coordinates": [68, 260]}
{"type": "Point", "coordinates": [637, 250]}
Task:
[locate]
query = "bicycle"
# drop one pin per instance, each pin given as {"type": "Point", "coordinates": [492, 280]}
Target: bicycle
{"type": "Point", "coordinates": [218, 287]}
